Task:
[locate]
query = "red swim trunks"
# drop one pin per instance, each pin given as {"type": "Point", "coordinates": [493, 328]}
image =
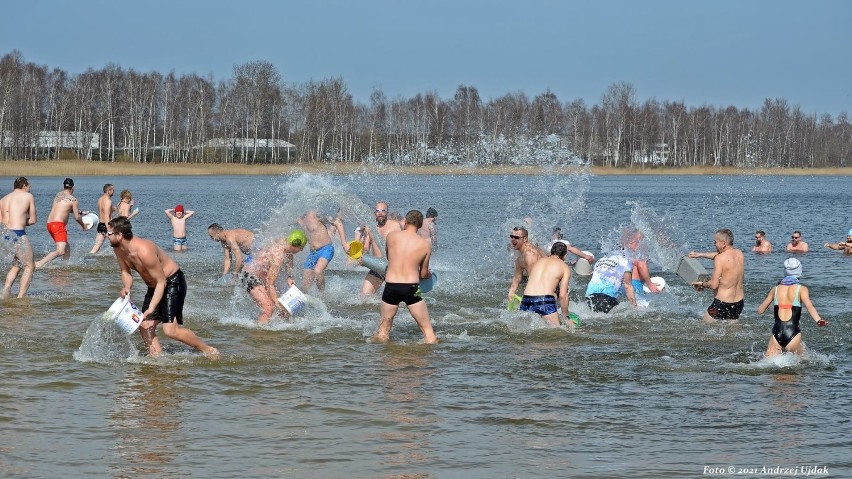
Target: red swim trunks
{"type": "Point", "coordinates": [57, 231]}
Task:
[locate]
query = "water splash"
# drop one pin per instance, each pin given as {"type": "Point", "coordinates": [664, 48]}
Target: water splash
{"type": "Point", "coordinates": [664, 240]}
{"type": "Point", "coordinates": [104, 343]}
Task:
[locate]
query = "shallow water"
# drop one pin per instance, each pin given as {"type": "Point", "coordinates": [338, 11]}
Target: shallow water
{"type": "Point", "coordinates": [636, 393]}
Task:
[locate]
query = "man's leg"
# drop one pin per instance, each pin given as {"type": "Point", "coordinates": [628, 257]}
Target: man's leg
{"type": "Point", "coordinates": [371, 284]}
{"type": "Point", "coordinates": [186, 336]}
{"type": "Point", "coordinates": [267, 307]}
{"type": "Point", "coordinates": [148, 331]}
{"type": "Point", "coordinates": [319, 269]}
{"type": "Point", "coordinates": [420, 313]}
{"type": "Point", "coordinates": [59, 251]}
{"type": "Point", "coordinates": [386, 315]}
{"type": "Point", "coordinates": [25, 255]}
{"type": "Point", "coordinates": [99, 241]}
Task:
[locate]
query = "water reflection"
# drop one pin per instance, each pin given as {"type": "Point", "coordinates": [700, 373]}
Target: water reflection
{"type": "Point", "coordinates": [145, 416]}
{"type": "Point", "coordinates": [408, 402]}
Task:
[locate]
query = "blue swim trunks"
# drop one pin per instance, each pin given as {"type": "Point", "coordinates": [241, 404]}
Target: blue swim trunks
{"type": "Point", "coordinates": [542, 305]}
{"type": "Point", "coordinates": [18, 234]}
{"type": "Point", "coordinates": [314, 256]}
{"type": "Point", "coordinates": [179, 241]}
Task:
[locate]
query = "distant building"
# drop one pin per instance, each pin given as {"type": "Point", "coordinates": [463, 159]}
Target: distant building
{"type": "Point", "coordinates": [247, 143]}
{"type": "Point", "coordinates": [658, 154]}
{"type": "Point", "coordinates": [77, 140]}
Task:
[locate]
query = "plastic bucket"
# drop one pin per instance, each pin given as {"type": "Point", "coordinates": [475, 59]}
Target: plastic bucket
{"type": "Point", "coordinates": [376, 264]}
{"type": "Point", "coordinates": [293, 300]}
{"type": "Point", "coordinates": [126, 315]}
{"type": "Point", "coordinates": [429, 283]}
{"type": "Point", "coordinates": [356, 249]}
{"type": "Point", "coordinates": [515, 303]}
{"type": "Point", "coordinates": [658, 281]}
{"type": "Point", "coordinates": [90, 219]}
{"type": "Point", "coordinates": [582, 266]}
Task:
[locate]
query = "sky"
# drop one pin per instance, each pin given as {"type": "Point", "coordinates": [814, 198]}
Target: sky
{"type": "Point", "coordinates": [717, 53]}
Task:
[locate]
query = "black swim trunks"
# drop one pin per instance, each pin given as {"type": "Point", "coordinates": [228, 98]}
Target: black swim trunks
{"type": "Point", "coordinates": [601, 303]}
{"type": "Point", "coordinates": [102, 229]}
{"type": "Point", "coordinates": [396, 293]}
{"type": "Point", "coordinates": [374, 274]}
{"type": "Point", "coordinates": [171, 306]}
{"type": "Point", "coordinates": [251, 281]}
{"type": "Point", "coordinates": [725, 311]}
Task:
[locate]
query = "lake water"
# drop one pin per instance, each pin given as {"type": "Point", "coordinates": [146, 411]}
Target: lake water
{"type": "Point", "coordinates": [635, 393]}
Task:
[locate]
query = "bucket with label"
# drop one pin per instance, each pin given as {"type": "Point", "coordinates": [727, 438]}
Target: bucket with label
{"type": "Point", "coordinates": [293, 300]}
{"type": "Point", "coordinates": [126, 315]}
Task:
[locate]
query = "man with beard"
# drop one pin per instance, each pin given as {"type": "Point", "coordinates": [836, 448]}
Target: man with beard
{"type": "Point", "coordinates": [727, 278]}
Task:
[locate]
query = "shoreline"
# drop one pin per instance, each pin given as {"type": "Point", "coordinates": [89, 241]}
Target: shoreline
{"type": "Point", "coordinates": [12, 168]}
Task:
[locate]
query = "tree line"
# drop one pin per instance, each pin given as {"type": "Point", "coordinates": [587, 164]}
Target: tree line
{"type": "Point", "coordinates": [166, 118]}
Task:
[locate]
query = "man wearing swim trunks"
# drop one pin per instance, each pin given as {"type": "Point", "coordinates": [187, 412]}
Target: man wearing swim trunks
{"type": "Point", "coordinates": [549, 278]}
{"type": "Point", "coordinates": [166, 287]}
{"type": "Point", "coordinates": [178, 218]}
{"type": "Point", "coordinates": [726, 280]}
{"type": "Point", "coordinates": [408, 262]}
{"type": "Point", "coordinates": [17, 211]}
{"type": "Point", "coordinates": [105, 211]}
{"type": "Point", "coordinates": [64, 203]}
{"type": "Point", "coordinates": [260, 275]}
{"type": "Point", "coordinates": [613, 274]}
{"type": "Point", "coordinates": [321, 250]}
{"type": "Point", "coordinates": [761, 244]}
{"type": "Point", "coordinates": [237, 242]}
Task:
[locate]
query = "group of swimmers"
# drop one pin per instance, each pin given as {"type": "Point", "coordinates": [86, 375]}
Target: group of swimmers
{"type": "Point", "coordinates": [624, 272]}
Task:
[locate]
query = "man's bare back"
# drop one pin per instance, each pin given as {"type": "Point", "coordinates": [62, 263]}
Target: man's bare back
{"type": "Point", "coordinates": [18, 209]}
{"type": "Point", "coordinates": [408, 257]}
{"type": "Point", "coordinates": [64, 204]}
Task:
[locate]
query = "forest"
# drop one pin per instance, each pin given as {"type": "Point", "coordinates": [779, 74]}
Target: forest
{"type": "Point", "coordinates": [122, 115]}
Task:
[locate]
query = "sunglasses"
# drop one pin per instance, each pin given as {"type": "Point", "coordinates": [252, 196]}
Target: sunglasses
{"type": "Point", "coordinates": [516, 237]}
{"type": "Point", "coordinates": [795, 237]}
{"type": "Point", "coordinates": [381, 211]}
{"type": "Point", "coordinates": [110, 233]}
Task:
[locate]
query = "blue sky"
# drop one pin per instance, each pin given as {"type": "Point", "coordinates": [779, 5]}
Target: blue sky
{"type": "Point", "coordinates": [723, 52]}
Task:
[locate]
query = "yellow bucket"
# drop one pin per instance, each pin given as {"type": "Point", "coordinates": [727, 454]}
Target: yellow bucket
{"type": "Point", "coordinates": [356, 249]}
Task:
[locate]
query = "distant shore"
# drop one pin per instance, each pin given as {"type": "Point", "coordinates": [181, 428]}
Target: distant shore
{"type": "Point", "coordinates": [73, 168]}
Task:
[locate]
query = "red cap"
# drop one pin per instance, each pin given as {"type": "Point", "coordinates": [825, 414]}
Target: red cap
{"type": "Point", "coordinates": [179, 209]}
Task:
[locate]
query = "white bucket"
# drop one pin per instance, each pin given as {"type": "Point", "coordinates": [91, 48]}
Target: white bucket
{"type": "Point", "coordinates": [582, 266]}
{"type": "Point", "coordinates": [126, 315]}
{"type": "Point", "coordinates": [658, 281]}
{"type": "Point", "coordinates": [90, 219]}
{"type": "Point", "coordinates": [293, 300]}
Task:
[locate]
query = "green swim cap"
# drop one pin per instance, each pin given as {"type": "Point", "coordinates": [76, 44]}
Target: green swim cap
{"type": "Point", "coordinates": [297, 238]}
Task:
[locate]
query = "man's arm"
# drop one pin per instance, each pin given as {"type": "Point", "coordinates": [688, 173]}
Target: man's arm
{"type": "Point", "coordinates": [126, 277]}
{"type": "Point", "coordinates": [227, 263]}
{"type": "Point", "coordinates": [516, 279]}
{"type": "Point", "coordinates": [271, 276]}
{"type": "Point", "coordinates": [77, 216]}
{"type": "Point", "coordinates": [579, 253]}
{"type": "Point", "coordinates": [169, 213]}
{"type": "Point", "coordinates": [628, 287]}
{"type": "Point", "coordinates": [835, 246]}
{"type": "Point", "coordinates": [31, 220]}
{"type": "Point", "coordinates": [155, 270]}
{"type": "Point", "coordinates": [645, 276]}
{"type": "Point", "coordinates": [238, 255]}
{"type": "Point", "coordinates": [187, 214]}
{"type": "Point", "coordinates": [707, 255]}
{"type": "Point", "coordinates": [424, 265]}
{"type": "Point", "coordinates": [715, 278]}
{"type": "Point", "coordinates": [563, 291]}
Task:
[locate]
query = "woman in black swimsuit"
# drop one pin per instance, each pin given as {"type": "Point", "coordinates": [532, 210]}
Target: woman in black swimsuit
{"type": "Point", "coordinates": [787, 298]}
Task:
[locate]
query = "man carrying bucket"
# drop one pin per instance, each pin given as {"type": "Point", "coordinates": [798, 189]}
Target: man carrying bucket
{"type": "Point", "coordinates": [259, 276]}
{"type": "Point", "coordinates": [64, 204]}
{"type": "Point", "coordinates": [408, 263]}
{"type": "Point", "coordinates": [166, 287]}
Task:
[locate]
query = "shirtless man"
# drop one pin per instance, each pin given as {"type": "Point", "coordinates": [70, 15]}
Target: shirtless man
{"type": "Point", "coordinates": [726, 280]}
{"type": "Point", "coordinates": [166, 287]}
{"type": "Point", "coordinates": [797, 244]}
{"type": "Point", "coordinates": [321, 252]}
{"type": "Point", "coordinates": [105, 211]}
{"type": "Point", "coordinates": [429, 231]}
{"type": "Point", "coordinates": [260, 275]}
{"type": "Point", "coordinates": [126, 204]}
{"type": "Point", "coordinates": [528, 254]}
{"type": "Point", "coordinates": [237, 242]}
{"type": "Point", "coordinates": [178, 218]}
{"type": "Point", "coordinates": [408, 263]}
{"type": "Point", "coordinates": [17, 211]}
{"type": "Point", "coordinates": [549, 278]}
{"type": "Point", "coordinates": [373, 280]}
{"type": "Point", "coordinates": [845, 246]}
{"type": "Point", "coordinates": [761, 244]}
{"type": "Point", "coordinates": [64, 204]}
